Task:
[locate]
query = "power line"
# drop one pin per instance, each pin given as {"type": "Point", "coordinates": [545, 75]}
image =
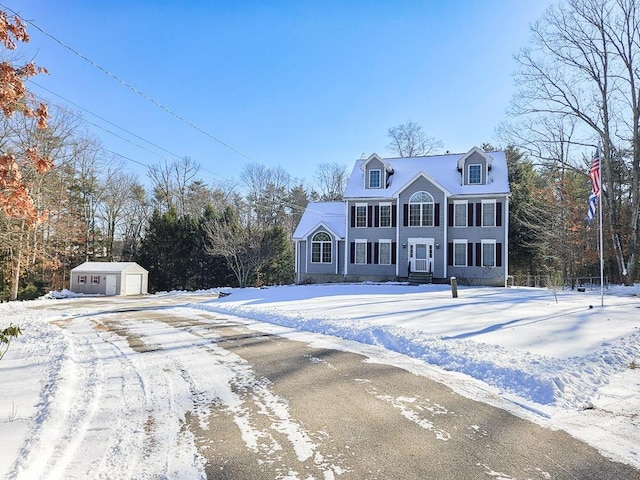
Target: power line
{"type": "Point", "coordinates": [104, 120]}
{"type": "Point", "coordinates": [129, 86]}
{"type": "Point", "coordinates": [120, 136]}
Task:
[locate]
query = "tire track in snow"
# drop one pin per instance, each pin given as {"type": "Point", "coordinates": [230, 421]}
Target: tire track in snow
{"type": "Point", "coordinates": [263, 418]}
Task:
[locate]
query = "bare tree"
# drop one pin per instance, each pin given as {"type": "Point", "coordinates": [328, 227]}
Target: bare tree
{"type": "Point", "coordinates": [408, 140]}
{"type": "Point", "coordinates": [331, 179]}
{"type": "Point", "coordinates": [173, 183]}
{"type": "Point", "coordinates": [241, 244]}
{"type": "Point", "coordinates": [582, 64]}
{"type": "Point", "coordinates": [267, 192]}
{"type": "Point", "coordinates": [118, 195]}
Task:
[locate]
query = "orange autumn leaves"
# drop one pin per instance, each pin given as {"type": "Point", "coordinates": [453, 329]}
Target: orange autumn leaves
{"type": "Point", "coordinates": [15, 200]}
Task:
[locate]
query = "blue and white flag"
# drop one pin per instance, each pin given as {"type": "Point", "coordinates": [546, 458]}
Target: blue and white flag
{"type": "Point", "coordinates": [594, 174]}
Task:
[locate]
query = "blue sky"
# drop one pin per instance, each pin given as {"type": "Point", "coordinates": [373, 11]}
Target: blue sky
{"type": "Point", "coordinates": [287, 83]}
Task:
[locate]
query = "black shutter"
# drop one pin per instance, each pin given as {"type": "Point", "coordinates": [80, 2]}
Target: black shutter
{"type": "Point", "coordinates": [394, 215]}
{"type": "Point", "coordinates": [498, 254]}
{"type": "Point", "coordinates": [353, 217]}
{"type": "Point", "coordinates": [478, 254]}
{"type": "Point", "coordinates": [478, 214]}
{"type": "Point", "coordinates": [436, 215]}
{"type": "Point", "coordinates": [376, 252]}
{"type": "Point", "coordinates": [369, 252]}
{"type": "Point", "coordinates": [450, 253]}
{"type": "Point", "coordinates": [352, 252]}
{"type": "Point", "coordinates": [376, 216]}
{"type": "Point", "coordinates": [470, 214]}
{"type": "Point", "coordinates": [370, 216]}
{"type": "Point", "coordinates": [394, 252]}
{"type": "Point", "coordinates": [469, 254]}
{"type": "Point", "coordinates": [498, 214]}
{"type": "Point", "coordinates": [405, 220]}
{"type": "Point", "coordinates": [450, 210]}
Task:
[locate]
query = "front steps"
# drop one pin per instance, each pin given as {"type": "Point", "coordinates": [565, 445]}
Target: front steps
{"type": "Point", "coordinates": [420, 278]}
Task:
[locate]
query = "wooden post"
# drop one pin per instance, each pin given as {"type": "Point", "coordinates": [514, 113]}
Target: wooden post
{"type": "Point", "coordinates": [454, 287]}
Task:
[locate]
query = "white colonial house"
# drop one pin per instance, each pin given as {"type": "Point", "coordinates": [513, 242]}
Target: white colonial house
{"type": "Point", "coordinates": [421, 219]}
{"type": "Point", "coordinates": [109, 278]}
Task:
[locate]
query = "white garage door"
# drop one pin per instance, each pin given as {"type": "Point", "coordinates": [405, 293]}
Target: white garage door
{"type": "Point", "coordinates": [134, 284]}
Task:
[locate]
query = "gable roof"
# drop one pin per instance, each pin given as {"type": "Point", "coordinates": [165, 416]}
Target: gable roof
{"type": "Point", "coordinates": [375, 156]}
{"type": "Point", "coordinates": [330, 215]}
{"type": "Point", "coordinates": [441, 169]}
{"type": "Point", "coordinates": [106, 267]}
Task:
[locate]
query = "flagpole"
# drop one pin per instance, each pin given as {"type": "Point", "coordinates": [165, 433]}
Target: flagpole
{"type": "Point", "coordinates": [600, 246]}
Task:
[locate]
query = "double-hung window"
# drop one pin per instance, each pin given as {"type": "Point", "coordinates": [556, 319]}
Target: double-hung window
{"type": "Point", "coordinates": [361, 252]}
{"type": "Point", "coordinates": [460, 253]}
{"type": "Point", "coordinates": [488, 213]}
{"type": "Point", "coordinates": [321, 248]}
{"type": "Point", "coordinates": [460, 213]}
{"type": "Point", "coordinates": [475, 174]}
{"type": "Point", "coordinates": [385, 215]}
{"type": "Point", "coordinates": [488, 253]}
{"type": "Point", "coordinates": [375, 178]}
{"type": "Point", "coordinates": [384, 252]}
{"type": "Point", "coordinates": [361, 215]}
{"type": "Point", "coordinates": [421, 210]}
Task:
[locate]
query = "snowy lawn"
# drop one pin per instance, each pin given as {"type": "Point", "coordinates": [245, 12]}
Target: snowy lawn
{"type": "Point", "coordinates": [567, 364]}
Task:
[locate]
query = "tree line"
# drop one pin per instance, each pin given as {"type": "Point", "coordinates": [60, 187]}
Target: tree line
{"type": "Point", "coordinates": [578, 87]}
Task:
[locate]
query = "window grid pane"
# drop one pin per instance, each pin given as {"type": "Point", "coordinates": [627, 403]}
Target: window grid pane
{"type": "Point", "coordinates": [326, 252]}
{"type": "Point", "coordinates": [414, 215]}
{"type": "Point", "coordinates": [460, 214]}
{"type": "Point", "coordinates": [385, 215]}
{"type": "Point", "coordinates": [460, 254]}
{"type": "Point", "coordinates": [374, 179]}
{"type": "Point", "coordinates": [427, 214]}
{"type": "Point", "coordinates": [488, 254]}
{"type": "Point", "coordinates": [488, 214]}
{"type": "Point", "coordinates": [361, 215]}
{"type": "Point", "coordinates": [361, 252]}
{"type": "Point", "coordinates": [475, 174]}
{"type": "Point", "coordinates": [384, 253]}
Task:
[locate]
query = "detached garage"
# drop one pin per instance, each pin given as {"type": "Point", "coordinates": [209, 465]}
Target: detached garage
{"type": "Point", "coordinates": [109, 278]}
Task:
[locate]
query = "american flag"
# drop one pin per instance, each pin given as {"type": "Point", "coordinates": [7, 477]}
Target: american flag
{"type": "Point", "coordinates": [594, 174]}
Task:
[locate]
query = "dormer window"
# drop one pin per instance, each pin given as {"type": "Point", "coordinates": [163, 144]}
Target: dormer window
{"type": "Point", "coordinates": [375, 178]}
{"type": "Point", "coordinates": [475, 174]}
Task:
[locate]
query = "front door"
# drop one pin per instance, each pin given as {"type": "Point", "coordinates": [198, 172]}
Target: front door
{"type": "Point", "coordinates": [421, 254]}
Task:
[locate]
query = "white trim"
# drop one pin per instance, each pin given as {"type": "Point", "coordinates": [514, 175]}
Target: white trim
{"type": "Point", "coordinates": [380, 182]}
{"type": "Point", "coordinates": [386, 241]}
{"type": "Point", "coordinates": [385, 204]}
{"type": "Point", "coordinates": [468, 182]}
{"type": "Point", "coordinates": [505, 233]}
{"type": "Point", "coordinates": [484, 242]}
{"type": "Point", "coordinates": [466, 253]}
{"type": "Point", "coordinates": [428, 178]}
{"type": "Point", "coordinates": [488, 202]}
{"type": "Point", "coordinates": [466, 213]}
{"type": "Point", "coordinates": [356, 242]}
{"type": "Point", "coordinates": [366, 215]}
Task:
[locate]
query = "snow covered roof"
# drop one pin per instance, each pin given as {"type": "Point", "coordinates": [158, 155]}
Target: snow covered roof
{"type": "Point", "coordinates": [440, 169]}
{"type": "Point", "coordinates": [331, 215]}
{"type": "Point", "coordinates": [106, 267]}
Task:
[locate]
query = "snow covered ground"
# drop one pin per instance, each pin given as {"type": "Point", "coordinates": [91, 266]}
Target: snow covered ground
{"type": "Point", "coordinates": [568, 364]}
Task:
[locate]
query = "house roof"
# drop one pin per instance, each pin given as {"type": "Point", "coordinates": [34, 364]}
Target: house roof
{"type": "Point", "coordinates": [441, 169]}
{"type": "Point", "coordinates": [330, 215]}
{"type": "Point", "coordinates": [106, 267]}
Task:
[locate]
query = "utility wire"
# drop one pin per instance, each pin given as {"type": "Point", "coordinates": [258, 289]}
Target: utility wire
{"type": "Point", "coordinates": [146, 97]}
{"type": "Point", "coordinates": [66, 100]}
{"type": "Point", "coordinates": [128, 85]}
